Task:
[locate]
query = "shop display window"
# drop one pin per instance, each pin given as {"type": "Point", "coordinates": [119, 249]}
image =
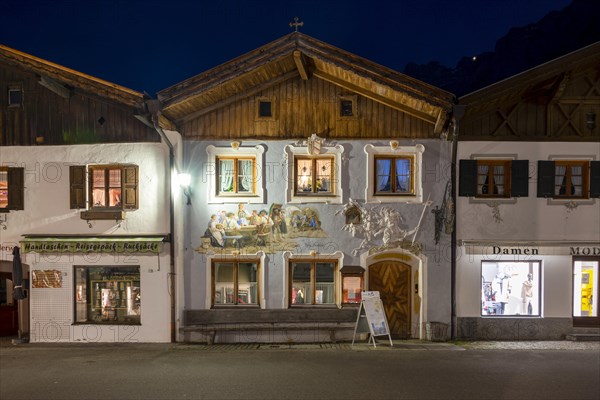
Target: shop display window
{"type": "Point", "coordinates": [107, 295]}
{"type": "Point", "coordinates": [312, 283]}
{"type": "Point", "coordinates": [235, 283]}
{"type": "Point", "coordinates": [510, 288]}
{"type": "Point", "coordinates": [585, 288]}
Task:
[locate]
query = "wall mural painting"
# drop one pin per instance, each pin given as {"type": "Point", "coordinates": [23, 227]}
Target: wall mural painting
{"type": "Point", "coordinates": [251, 230]}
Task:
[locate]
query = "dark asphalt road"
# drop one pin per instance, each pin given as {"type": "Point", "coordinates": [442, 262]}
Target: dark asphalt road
{"type": "Point", "coordinates": [164, 371]}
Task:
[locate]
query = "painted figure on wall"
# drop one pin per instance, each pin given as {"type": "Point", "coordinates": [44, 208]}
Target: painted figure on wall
{"type": "Point", "coordinates": [275, 229]}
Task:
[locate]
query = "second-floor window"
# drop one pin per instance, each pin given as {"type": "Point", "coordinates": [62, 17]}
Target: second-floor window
{"type": "Point", "coordinates": [236, 176]}
{"type": "Point", "coordinates": [569, 179]}
{"type": "Point", "coordinates": [109, 187]}
{"type": "Point", "coordinates": [314, 175]}
{"type": "Point", "coordinates": [11, 189]}
{"type": "Point", "coordinates": [394, 175]}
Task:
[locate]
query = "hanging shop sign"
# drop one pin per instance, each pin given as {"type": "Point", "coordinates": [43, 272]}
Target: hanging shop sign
{"type": "Point", "coordinates": [92, 245]}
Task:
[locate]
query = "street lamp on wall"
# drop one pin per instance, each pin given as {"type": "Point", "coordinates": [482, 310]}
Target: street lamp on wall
{"type": "Point", "coordinates": [184, 183]}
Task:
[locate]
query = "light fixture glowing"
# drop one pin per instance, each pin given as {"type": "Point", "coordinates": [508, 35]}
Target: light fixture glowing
{"type": "Point", "coordinates": [184, 182]}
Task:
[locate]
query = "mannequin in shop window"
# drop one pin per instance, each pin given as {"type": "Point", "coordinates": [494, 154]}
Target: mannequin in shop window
{"type": "Point", "coordinates": [501, 289]}
{"type": "Point", "coordinates": [527, 295]}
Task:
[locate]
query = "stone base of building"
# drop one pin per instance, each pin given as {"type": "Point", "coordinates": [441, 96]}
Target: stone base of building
{"type": "Point", "coordinates": [477, 328]}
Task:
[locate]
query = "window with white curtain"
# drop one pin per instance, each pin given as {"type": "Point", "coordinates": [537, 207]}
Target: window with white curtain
{"type": "Point", "coordinates": [570, 179]}
{"type": "Point", "coordinates": [493, 178]}
{"type": "Point", "coordinates": [234, 174]}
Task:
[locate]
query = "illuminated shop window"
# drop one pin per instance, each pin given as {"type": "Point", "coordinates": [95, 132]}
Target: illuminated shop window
{"type": "Point", "coordinates": [107, 295]}
{"type": "Point", "coordinates": [510, 288]}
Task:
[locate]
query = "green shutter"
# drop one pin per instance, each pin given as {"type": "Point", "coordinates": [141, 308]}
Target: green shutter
{"type": "Point", "coordinates": [519, 179]}
{"type": "Point", "coordinates": [545, 184]}
{"type": "Point", "coordinates": [77, 186]}
{"type": "Point", "coordinates": [16, 188]}
{"type": "Point", "coordinates": [467, 184]}
{"type": "Point", "coordinates": [130, 187]}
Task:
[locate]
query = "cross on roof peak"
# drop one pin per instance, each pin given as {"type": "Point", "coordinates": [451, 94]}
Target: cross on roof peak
{"type": "Point", "coordinates": [296, 24]}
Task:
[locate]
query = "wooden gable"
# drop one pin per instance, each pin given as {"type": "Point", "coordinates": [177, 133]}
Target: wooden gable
{"type": "Point", "coordinates": [548, 103]}
{"type": "Point", "coordinates": [63, 106]}
{"type": "Point", "coordinates": [305, 80]}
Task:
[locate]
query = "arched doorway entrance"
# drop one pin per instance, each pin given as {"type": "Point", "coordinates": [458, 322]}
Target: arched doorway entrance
{"type": "Point", "coordinates": [392, 280]}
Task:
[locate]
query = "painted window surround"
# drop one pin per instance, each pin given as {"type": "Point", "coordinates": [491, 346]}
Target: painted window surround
{"type": "Point", "coordinates": [336, 151]}
{"type": "Point", "coordinates": [211, 173]}
{"type": "Point", "coordinates": [410, 151]}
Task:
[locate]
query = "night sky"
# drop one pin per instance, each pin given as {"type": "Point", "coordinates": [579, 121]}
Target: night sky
{"type": "Point", "coordinates": [150, 45]}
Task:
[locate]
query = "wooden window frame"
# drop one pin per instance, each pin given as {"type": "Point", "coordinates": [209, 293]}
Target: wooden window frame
{"type": "Point", "coordinates": [393, 175]}
{"type": "Point", "coordinates": [585, 181]}
{"type": "Point", "coordinates": [235, 192]}
{"type": "Point", "coordinates": [235, 263]}
{"type": "Point", "coordinates": [490, 178]}
{"type": "Point", "coordinates": [15, 88]}
{"type": "Point", "coordinates": [124, 186]}
{"type": "Point", "coordinates": [90, 295]}
{"type": "Point", "coordinates": [15, 188]}
{"type": "Point", "coordinates": [313, 280]}
{"type": "Point", "coordinates": [313, 191]}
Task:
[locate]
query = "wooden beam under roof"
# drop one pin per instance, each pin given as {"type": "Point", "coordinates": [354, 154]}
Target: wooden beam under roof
{"type": "Point", "coordinates": [376, 97]}
{"type": "Point", "coordinates": [301, 64]}
{"type": "Point", "coordinates": [238, 96]}
{"type": "Point", "coordinates": [54, 86]}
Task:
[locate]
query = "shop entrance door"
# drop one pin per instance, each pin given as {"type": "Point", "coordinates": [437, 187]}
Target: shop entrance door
{"type": "Point", "coordinates": [9, 312]}
{"type": "Point", "coordinates": [392, 280]}
{"type": "Point", "coordinates": [586, 279]}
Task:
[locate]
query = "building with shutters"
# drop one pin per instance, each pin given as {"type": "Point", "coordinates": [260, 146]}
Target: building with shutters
{"type": "Point", "coordinates": [528, 214]}
{"type": "Point", "coordinates": [84, 193]}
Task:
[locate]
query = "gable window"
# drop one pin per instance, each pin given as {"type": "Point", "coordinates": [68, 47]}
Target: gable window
{"type": "Point", "coordinates": [15, 96]}
{"type": "Point", "coordinates": [107, 295]}
{"type": "Point", "coordinates": [235, 282]}
{"type": "Point", "coordinates": [236, 175]}
{"type": "Point", "coordinates": [11, 189]}
{"type": "Point", "coordinates": [347, 107]}
{"type": "Point", "coordinates": [233, 174]}
{"type": "Point", "coordinates": [264, 109]}
{"type": "Point", "coordinates": [109, 187]}
{"type": "Point", "coordinates": [494, 178]}
{"type": "Point", "coordinates": [569, 179]}
{"type": "Point", "coordinates": [314, 175]}
{"type": "Point", "coordinates": [394, 174]}
{"type": "Point", "coordinates": [312, 282]}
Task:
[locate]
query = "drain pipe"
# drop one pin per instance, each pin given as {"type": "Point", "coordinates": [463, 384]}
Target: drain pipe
{"type": "Point", "coordinates": [153, 106]}
{"type": "Point", "coordinates": [457, 113]}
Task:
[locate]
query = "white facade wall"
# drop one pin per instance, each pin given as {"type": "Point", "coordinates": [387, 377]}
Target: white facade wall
{"type": "Point", "coordinates": [47, 213]}
{"type": "Point", "coordinates": [530, 229]}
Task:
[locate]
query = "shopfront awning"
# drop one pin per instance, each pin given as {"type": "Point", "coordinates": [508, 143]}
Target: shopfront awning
{"type": "Point", "coordinates": [93, 244]}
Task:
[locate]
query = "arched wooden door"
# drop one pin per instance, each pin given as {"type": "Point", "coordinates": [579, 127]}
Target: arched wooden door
{"type": "Point", "coordinates": [392, 280]}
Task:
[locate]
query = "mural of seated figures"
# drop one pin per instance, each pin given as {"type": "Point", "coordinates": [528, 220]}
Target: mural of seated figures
{"type": "Point", "coordinates": [277, 228]}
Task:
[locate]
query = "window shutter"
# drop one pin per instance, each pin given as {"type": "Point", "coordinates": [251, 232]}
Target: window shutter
{"type": "Point", "coordinates": [467, 185]}
{"type": "Point", "coordinates": [594, 179]}
{"type": "Point", "coordinates": [545, 184]}
{"type": "Point", "coordinates": [77, 186]}
{"type": "Point", "coordinates": [519, 180]}
{"type": "Point", "coordinates": [16, 188]}
{"type": "Point", "coordinates": [130, 187]}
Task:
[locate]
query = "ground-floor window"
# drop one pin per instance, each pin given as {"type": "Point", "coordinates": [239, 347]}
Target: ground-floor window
{"type": "Point", "coordinates": [585, 288]}
{"type": "Point", "coordinates": [312, 283]}
{"type": "Point", "coordinates": [235, 282]}
{"type": "Point", "coordinates": [510, 288]}
{"type": "Point", "coordinates": [107, 295]}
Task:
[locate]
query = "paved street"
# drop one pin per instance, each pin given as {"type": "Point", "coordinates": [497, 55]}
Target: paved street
{"type": "Point", "coordinates": [409, 370]}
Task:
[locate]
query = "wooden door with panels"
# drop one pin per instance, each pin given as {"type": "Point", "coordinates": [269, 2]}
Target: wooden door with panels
{"type": "Point", "coordinates": [392, 280]}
